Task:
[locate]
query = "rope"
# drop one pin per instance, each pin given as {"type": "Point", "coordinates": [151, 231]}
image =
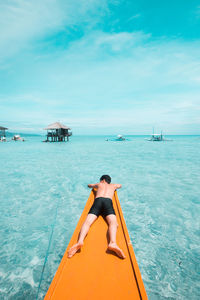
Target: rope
{"type": "Point", "coordinates": [48, 248]}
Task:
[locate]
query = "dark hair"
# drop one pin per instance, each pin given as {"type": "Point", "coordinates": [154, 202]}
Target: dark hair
{"type": "Point", "coordinates": [107, 178]}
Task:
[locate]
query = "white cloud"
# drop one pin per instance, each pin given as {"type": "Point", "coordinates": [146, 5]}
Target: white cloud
{"type": "Point", "coordinates": [122, 40]}
{"type": "Point", "coordinates": [134, 17]}
{"type": "Point", "coordinates": [22, 21]}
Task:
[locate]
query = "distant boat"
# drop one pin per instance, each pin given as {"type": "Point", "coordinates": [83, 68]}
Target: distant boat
{"type": "Point", "coordinates": [17, 137]}
{"type": "Point", "coordinates": [120, 138]}
{"type": "Point", "coordinates": [157, 137]}
{"type": "Point", "coordinates": [3, 139]}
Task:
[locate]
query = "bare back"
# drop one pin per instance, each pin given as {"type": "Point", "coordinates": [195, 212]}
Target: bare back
{"type": "Point", "coordinates": [104, 189]}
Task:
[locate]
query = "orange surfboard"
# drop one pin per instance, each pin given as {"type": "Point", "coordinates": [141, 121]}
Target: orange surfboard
{"type": "Point", "coordinates": [94, 273]}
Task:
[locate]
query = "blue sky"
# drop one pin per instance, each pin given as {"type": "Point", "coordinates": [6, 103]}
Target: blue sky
{"type": "Point", "coordinates": [98, 66]}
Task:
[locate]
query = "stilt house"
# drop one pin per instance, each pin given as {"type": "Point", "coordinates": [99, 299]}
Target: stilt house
{"type": "Point", "coordinates": [57, 132]}
{"type": "Point", "coordinates": [3, 132]}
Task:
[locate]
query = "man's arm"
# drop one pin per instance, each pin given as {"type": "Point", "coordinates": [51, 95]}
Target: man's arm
{"type": "Point", "coordinates": [95, 185]}
{"type": "Point", "coordinates": [118, 186]}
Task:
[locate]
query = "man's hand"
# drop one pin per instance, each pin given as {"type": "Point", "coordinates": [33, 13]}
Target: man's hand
{"type": "Point", "coordinates": [118, 186]}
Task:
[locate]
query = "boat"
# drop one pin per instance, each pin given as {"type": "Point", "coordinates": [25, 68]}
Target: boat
{"type": "Point", "coordinates": [120, 138]}
{"type": "Point", "coordinates": [156, 137]}
{"type": "Point", "coordinates": [94, 273]}
{"type": "Point", "coordinates": [17, 137]}
{"type": "Point", "coordinates": [3, 139]}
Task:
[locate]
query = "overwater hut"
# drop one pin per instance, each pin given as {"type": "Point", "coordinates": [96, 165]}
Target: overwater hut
{"type": "Point", "coordinates": [57, 132]}
{"type": "Point", "coordinates": [3, 132]}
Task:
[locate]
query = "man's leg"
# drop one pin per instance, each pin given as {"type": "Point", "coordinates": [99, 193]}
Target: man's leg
{"type": "Point", "coordinates": [83, 232]}
{"type": "Point", "coordinates": [112, 231]}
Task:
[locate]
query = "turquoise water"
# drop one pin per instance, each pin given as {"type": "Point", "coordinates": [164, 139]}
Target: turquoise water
{"type": "Point", "coordinates": [44, 190]}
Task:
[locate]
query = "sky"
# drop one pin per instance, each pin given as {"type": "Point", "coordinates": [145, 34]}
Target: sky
{"type": "Point", "coordinates": [100, 67]}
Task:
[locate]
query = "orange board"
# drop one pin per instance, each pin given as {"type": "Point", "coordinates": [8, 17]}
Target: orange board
{"type": "Point", "coordinates": [95, 273]}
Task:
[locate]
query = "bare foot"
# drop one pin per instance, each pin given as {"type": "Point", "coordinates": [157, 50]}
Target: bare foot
{"type": "Point", "coordinates": [116, 249]}
{"type": "Point", "coordinates": [74, 249]}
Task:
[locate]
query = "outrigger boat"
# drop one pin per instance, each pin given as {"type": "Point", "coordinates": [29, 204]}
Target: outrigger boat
{"type": "Point", "coordinates": [120, 138]}
{"type": "Point", "coordinates": [94, 273]}
{"type": "Point", "coordinates": [3, 139]}
{"type": "Point", "coordinates": [17, 137]}
{"type": "Point", "coordinates": [156, 137]}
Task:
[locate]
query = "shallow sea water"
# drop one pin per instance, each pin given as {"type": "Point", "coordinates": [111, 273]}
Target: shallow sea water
{"type": "Point", "coordinates": [44, 190]}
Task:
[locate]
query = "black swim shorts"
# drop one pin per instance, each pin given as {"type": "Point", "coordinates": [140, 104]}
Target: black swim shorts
{"type": "Point", "coordinates": [102, 206]}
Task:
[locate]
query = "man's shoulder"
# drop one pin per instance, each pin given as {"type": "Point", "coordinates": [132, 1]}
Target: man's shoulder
{"type": "Point", "coordinates": [117, 185]}
{"type": "Point", "coordinates": [113, 184]}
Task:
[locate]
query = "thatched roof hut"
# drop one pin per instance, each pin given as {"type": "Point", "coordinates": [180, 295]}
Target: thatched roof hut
{"type": "Point", "coordinates": [3, 131]}
{"type": "Point", "coordinates": [57, 132]}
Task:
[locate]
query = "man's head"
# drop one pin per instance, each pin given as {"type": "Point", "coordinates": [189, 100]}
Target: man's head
{"type": "Point", "coordinates": [107, 178]}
